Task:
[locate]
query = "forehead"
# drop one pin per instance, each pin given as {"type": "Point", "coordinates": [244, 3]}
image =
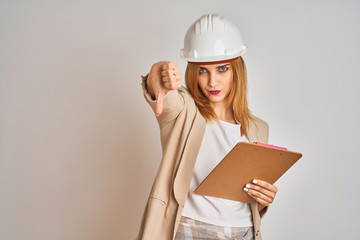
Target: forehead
{"type": "Point", "coordinates": [210, 66]}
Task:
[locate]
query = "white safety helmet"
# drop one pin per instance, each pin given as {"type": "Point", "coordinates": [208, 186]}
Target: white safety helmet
{"type": "Point", "coordinates": [212, 38]}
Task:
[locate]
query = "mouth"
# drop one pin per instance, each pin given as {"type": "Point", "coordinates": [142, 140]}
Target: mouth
{"type": "Point", "coordinates": [214, 92]}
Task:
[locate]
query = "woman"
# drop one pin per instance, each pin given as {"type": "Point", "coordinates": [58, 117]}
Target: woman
{"type": "Point", "coordinates": [198, 127]}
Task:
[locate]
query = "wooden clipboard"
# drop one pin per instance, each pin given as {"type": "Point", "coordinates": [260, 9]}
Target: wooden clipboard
{"type": "Point", "coordinates": [245, 162]}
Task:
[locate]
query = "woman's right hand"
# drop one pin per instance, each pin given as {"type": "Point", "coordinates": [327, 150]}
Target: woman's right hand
{"type": "Point", "coordinates": [163, 76]}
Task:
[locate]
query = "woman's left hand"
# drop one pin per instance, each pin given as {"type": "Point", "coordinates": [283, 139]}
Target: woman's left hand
{"type": "Point", "coordinates": [263, 192]}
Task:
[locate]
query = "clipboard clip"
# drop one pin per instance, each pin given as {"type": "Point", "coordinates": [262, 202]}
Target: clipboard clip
{"type": "Point", "coordinates": [268, 145]}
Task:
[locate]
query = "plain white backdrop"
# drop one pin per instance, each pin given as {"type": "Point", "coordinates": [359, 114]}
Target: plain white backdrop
{"type": "Point", "coordinates": [79, 147]}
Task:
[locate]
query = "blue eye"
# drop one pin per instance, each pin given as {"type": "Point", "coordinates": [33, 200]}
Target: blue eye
{"type": "Point", "coordinates": [202, 70]}
{"type": "Point", "coordinates": [223, 69]}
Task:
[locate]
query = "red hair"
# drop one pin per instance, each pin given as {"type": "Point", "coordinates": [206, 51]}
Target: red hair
{"type": "Point", "coordinates": [237, 98]}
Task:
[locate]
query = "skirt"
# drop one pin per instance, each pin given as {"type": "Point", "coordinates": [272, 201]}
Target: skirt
{"type": "Point", "coordinates": [192, 229]}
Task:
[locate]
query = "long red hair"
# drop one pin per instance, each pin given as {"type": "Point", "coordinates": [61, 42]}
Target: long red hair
{"type": "Point", "coordinates": [237, 98]}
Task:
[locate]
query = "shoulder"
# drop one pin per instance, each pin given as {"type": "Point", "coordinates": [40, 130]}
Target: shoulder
{"type": "Point", "coordinates": [259, 123]}
{"type": "Point", "coordinates": [258, 130]}
{"type": "Point", "coordinates": [187, 97]}
{"type": "Point", "coordinates": [186, 94]}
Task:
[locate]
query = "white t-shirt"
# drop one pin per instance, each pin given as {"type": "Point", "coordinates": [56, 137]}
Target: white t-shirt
{"type": "Point", "coordinates": [219, 139]}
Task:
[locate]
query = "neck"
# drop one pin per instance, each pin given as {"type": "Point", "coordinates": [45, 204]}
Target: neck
{"type": "Point", "coordinates": [223, 113]}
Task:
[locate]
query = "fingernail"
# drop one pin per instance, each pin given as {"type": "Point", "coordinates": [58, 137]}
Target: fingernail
{"type": "Point", "coordinates": [254, 181]}
{"type": "Point", "coordinates": [245, 189]}
{"type": "Point", "coordinates": [248, 186]}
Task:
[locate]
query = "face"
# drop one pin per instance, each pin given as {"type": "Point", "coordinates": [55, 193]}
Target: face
{"type": "Point", "coordinates": [215, 81]}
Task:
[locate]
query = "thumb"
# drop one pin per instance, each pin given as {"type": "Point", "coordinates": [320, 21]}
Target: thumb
{"type": "Point", "coordinates": [159, 103]}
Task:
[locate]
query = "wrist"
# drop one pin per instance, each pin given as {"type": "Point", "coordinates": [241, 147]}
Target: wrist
{"type": "Point", "coordinates": [149, 88]}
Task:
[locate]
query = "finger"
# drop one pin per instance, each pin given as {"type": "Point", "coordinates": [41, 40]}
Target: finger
{"type": "Point", "coordinates": [169, 76]}
{"type": "Point", "coordinates": [265, 184]}
{"type": "Point", "coordinates": [260, 200]}
{"type": "Point", "coordinates": [260, 189]}
{"type": "Point", "coordinates": [168, 72]}
{"type": "Point", "coordinates": [178, 76]}
{"type": "Point", "coordinates": [159, 103]}
{"type": "Point", "coordinates": [172, 85]}
{"type": "Point", "coordinates": [169, 65]}
{"type": "Point", "coordinates": [172, 68]}
{"type": "Point", "coordinates": [169, 79]}
{"type": "Point", "coordinates": [260, 195]}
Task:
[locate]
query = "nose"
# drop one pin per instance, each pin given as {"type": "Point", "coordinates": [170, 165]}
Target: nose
{"type": "Point", "coordinates": [213, 79]}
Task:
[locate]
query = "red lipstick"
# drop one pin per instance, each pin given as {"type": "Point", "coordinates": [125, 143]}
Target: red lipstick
{"type": "Point", "coordinates": [214, 92]}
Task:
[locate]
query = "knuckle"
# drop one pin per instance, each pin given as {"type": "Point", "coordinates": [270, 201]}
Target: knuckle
{"type": "Point", "coordinates": [265, 184]}
{"type": "Point", "coordinates": [255, 193]}
{"type": "Point", "coordinates": [155, 65]}
{"type": "Point", "coordinates": [167, 65]}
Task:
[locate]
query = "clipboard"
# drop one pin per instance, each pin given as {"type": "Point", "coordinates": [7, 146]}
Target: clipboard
{"type": "Point", "coordinates": [245, 162]}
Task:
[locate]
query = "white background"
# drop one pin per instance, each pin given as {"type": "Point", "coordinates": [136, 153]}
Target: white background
{"type": "Point", "coordinates": [79, 147]}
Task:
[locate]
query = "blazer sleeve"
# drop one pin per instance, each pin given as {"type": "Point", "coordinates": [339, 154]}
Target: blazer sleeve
{"type": "Point", "coordinates": [173, 103]}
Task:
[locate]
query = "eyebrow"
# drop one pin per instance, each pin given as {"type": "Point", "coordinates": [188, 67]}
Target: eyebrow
{"type": "Point", "coordinates": [225, 65]}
